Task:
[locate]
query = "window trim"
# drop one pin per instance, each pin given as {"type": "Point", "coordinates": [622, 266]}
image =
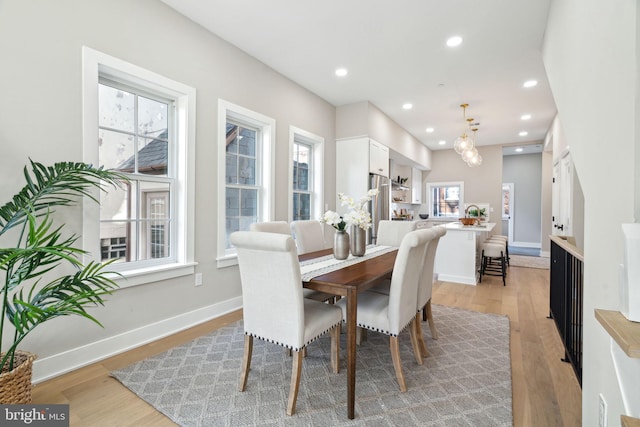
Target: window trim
{"type": "Point", "coordinates": [317, 144]}
{"type": "Point", "coordinates": [96, 64]}
{"type": "Point", "coordinates": [266, 210]}
{"type": "Point", "coordinates": [431, 185]}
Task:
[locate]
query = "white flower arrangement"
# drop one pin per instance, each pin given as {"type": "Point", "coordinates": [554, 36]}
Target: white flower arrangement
{"type": "Point", "coordinates": [358, 215]}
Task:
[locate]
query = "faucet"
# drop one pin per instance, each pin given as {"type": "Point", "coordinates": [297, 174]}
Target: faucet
{"type": "Point", "coordinates": [466, 211]}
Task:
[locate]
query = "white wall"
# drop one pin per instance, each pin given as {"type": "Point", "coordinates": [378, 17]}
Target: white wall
{"type": "Point", "coordinates": [482, 184]}
{"type": "Point", "coordinates": [590, 53]}
{"type": "Point", "coordinates": [365, 119]}
{"type": "Point", "coordinates": [41, 117]}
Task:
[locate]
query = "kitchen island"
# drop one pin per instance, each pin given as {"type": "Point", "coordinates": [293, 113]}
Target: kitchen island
{"type": "Point", "coordinates": [459, 252]}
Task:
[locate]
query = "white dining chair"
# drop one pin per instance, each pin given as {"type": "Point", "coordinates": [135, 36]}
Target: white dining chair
{"type": "Point", "coordinates": [390, 233]}
{"type": "Point", "coordinates": [274, 308]}
{"type": "Point", "coordinates": [391, 314]}
{"type": "Point", "coordinates": [329, 233]}
{"type": "Point", "coordinates": [309, 235]}
{"type": "Point", "coordinates": [281, 227]}
{"type": "Point", "coordinates": [425, 287]}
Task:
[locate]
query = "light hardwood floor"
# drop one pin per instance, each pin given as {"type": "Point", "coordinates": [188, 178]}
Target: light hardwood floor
{"type": "Point", "coordinates": [545, 390]}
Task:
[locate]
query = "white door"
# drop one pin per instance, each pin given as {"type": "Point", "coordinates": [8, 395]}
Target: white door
{"type": "Point", "coordinates": [562, 197]}
{"type": "Point", "coordinates": [507, 208]}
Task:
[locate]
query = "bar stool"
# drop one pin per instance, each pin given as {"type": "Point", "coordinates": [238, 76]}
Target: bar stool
{"type": "Point", "coordinates": [494, 260]}
{"type": "Point", "coordinates": [501, 238]}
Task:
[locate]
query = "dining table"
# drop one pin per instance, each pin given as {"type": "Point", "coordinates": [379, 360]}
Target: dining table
{"type": "Point", "coordinates": [350, 279]}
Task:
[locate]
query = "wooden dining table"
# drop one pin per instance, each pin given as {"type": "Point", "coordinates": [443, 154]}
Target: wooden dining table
{"type": "Point", "coordinates": [348, 282]}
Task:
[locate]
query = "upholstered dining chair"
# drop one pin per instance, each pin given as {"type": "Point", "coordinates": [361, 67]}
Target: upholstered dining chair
{"type": "Point", "coordinates": [425, 286]}
{"type": "Point", "coordinates": [274, 308]}
{"type": "Point", "coordinates": [309, 235]}
{"type": "Point", "coordinates": [391, 314]}
{"type": "Point", "coordinates": [281, 227]}
{"type": "Point", "coordinates": [390, 233]}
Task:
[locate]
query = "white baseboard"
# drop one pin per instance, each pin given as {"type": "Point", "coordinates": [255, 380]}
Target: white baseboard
{"type": "Point", "coordinates": [526, 245]}
{"type": "Point", "coordinates": [61, 363]}
{"type": "Point", "coordinates": [466, 280]}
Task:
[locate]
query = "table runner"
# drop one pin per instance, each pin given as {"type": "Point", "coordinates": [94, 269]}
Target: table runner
{"type": "Point", "coordinates": [326, 264]}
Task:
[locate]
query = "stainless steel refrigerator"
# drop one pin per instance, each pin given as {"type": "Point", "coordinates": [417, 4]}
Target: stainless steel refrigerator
{"type": "Point", "coordinates": [380, 205]}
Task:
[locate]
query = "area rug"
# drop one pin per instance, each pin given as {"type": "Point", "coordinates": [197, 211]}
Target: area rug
{"type": "Point", "coordinates": [528, 261]}
{"type": "Point", "coordinates": [466, 379]}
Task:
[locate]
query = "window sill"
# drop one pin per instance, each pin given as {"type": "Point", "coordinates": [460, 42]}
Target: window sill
{"type": "Point", "coordinates": [227, 261]}
{"type": "Point", "coordinates": [147, 275]}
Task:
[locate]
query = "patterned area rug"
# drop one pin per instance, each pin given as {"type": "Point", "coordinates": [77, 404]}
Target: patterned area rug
{"type": "Point", "coordinates": [528, 261]}
{"type": "Point", "coordinates": [466, 380]}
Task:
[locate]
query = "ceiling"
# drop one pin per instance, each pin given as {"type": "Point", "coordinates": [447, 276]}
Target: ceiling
{"type": "Point", "coordinates": [396, 53]}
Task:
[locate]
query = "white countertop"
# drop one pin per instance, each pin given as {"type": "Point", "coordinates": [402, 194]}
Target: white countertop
{"type": "Point", "coordinates": [456, 225]}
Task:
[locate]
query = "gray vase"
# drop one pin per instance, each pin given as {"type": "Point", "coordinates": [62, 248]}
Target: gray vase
{"type": "Point", "coordinates": [341, 244]}
{"type": "Point", "coordinates": [358, 241]}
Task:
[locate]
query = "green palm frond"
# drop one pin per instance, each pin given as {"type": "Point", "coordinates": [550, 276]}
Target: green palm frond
{"type": "Point", "coordinates": [57, 185]}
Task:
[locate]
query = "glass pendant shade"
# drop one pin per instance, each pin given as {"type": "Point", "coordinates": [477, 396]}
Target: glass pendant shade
{"type": "Point", "coordinates": [469, 153]}
{"type": "Point", "coordinates": [475, 161]}
{"type": "Point", "coordinates": [462, 143]}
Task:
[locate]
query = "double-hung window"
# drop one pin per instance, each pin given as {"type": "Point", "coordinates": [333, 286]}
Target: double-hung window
{"type": "Point", "coordinates": [142, 125]}
{"type": "Point", "coordinates": [446, 199]}
{"type": "Point", "coordinates": [136, 138]}
{"type": "Point", "coordinates": [245, 174]}
{"type": "Point", "coordinates": [307, 152]}
{"type": "Point", "coordinates": [302, 183]}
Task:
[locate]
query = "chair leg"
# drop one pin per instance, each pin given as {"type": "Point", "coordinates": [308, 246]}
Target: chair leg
{"type": "Point", "coordinates": [361, 335]}
{"type": "Point", "coordinates": [422, 345]}
{"type": "Point", "coordinates": [246, 362]}
{"type": "Point", "coordinates": [397, 365]}
{"type": "Point", "coordinates": [296, 370]}
{"type": "Point", "coordinates": [504, 270]}
{"type": "Point", "coordinates": [335, 349]}
{"type": "Point", "coordinates": [415, 341]}
{"type": "Point", "coordinates": [432, 326]}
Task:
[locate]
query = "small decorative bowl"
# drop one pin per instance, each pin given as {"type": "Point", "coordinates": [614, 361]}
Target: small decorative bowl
{"type": "Point", "coordinates": [423, 216]}
{"type": "Point", "coordinates": [468, 221]}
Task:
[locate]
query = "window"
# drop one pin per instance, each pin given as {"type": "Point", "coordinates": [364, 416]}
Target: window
{"type": "Point", "coordinates": [307, 153]}
{"type": "Point", "coordinates": [245, 173]}
{"type": "Point", "coordinates": [242, 178]}
{"type": "Point", "coordinates": [141, 124]}
{"type": "Point", "coordinates": [302, 185]}
{"type": "Point", "coordinates": [446, 199]}
{"type": "Point", "coordinates": [135, 133]}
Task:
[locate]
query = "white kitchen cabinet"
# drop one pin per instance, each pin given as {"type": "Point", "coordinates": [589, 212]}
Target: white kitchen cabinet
{"type": "Point", "coordinates": [378, 158]}
{"type": "Point", "coordinates": [354, 159]}
{"type": "Point", "coordinates": [416, 186]}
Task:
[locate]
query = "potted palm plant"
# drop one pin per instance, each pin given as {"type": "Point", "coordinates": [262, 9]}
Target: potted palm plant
{"type": "Point", "coordinates": [29, 295]}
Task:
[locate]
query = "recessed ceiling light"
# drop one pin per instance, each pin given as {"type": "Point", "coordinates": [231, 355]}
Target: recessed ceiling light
{"type": "Point", "coordinates": [525, 117]}
{"type": "Point", "coordinates": [530, 83]}
{"type": "Point", "coordinates": [519, 150]}
{"type": "Point", "coordinates": [429, 130]}
{"type": "Point", "coordinates": [407, 106]}
{"type": "Point", "coordinates": [341, 72]}
{"type": "Point", "coordinates": [523, 133]}
{"type": "Point", "coordinates": [454, 41]}
{"type": "Point", "coordinates": [443, 142]}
